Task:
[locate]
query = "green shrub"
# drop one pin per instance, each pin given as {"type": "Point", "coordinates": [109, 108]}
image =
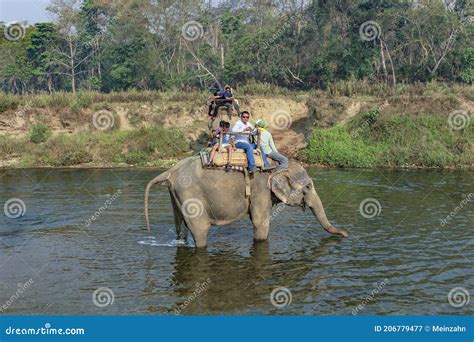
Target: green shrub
{"type": "Point", "coordinates": [65, 150]}
{"type": "Point", "coordinates": [136, 146]}
{"type": "Point", "coordinates": [101, 106]}
{"type": "Point", "coordinates": [133, 95]}
{"type": "Point", "coordinates": [8, 101]}
{"type": "Point", "coordinates": [262, 89]}
{"type": "Point", "coordinates": [39, 100]}
{"type": "Point", "coordinates": [135, 158]}
{"type": "Point", "coordinates": [75, 107]}
{"type": "Point", "coordinates": [10, 146]}
{"type": "Point", "coordinates": [360, 87]}
{"type": "Point", "coordinates": [145, 145]}
{"type": "Point", "coordinates": [82, 100]}
{"type": "Point", "coordinates": [59, 99]}
{"type": "Point", "coordinates": [337, 147]}
{"type": "Point", "coordinates": [39, 133]}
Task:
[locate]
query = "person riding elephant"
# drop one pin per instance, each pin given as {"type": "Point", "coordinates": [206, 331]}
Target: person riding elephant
{"type": "Point", "coordinates": [228, 93]}
{"type": "Point", "coordinates": [242, 141]}
{"type": "Point", "coordinates": [202, 197]}
{"type": "Point", "coordinates": [268, 146]}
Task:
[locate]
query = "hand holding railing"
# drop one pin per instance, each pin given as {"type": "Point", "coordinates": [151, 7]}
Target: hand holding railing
{"type": "Point", "coordinates": [221, 136]}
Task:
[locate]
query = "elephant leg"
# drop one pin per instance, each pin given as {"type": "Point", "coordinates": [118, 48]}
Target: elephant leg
{"type": "Point", "coordinates": [191, 210]}
{"type": "Point", "coordinates": [198, 226]}
{"type": "Point", "coordinates": [196, 220]}
{"type": "Point", "coordinates": [261, 228]}
{"type": "Point", "coordinates": [181, 230]}
{"type": "Point", "coordinates": [199, 231]}
{"type": "Point", "coordinates": [260, 210]}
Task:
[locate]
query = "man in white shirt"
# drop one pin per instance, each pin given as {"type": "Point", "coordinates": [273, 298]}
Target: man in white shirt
{"type": "Point", "coordinates": [242, 141]}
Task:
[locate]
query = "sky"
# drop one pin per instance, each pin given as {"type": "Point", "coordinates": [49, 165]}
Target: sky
{"type": "Point", "coordinates": [32, 11]}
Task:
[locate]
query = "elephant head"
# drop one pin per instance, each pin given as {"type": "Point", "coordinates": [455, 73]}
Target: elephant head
{"type": "Point", "coordinates": [295, 188]}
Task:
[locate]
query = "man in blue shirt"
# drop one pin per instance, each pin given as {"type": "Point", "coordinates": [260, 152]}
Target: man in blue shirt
{"type": "Point", "coordinates": [227, 100]}
{"type": "Point", "coordinates": [229, 96]}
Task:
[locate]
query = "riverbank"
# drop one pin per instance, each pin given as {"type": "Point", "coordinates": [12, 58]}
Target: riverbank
{"type": "Point", "coordinates": [371, 140]}
{"type": "Point", "coordinates": [352, 124]}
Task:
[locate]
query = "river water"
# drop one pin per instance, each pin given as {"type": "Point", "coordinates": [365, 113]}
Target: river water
{"type": "Point", "coordinates": [67, 255]}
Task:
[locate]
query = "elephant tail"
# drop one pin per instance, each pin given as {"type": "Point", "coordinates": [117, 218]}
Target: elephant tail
{"type": "Point", "coordinates": [157, 180]}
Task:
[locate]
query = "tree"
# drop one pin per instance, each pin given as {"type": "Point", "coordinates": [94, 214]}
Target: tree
{"type": "Point", "coordinates": [299, 44]}
{"type": "Point", "coordinates": [40, 55]}
{"type": "Point", "coordinates": [67, 49]}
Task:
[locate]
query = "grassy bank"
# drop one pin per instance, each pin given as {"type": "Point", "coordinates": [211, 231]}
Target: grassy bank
{"type": "Point", "coordinates": [350, 124]}
{"type": "Point", "coordinates": [141, 147]}
{"type": "Point", "coordinates": [373, 140]}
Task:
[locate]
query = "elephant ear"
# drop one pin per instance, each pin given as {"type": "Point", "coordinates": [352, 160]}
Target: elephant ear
{"type": "Point", "coordinates": [291, 191]}
{"type": "Point", "coordinates": [281, 187]}
{"type": "Point", "coordinates": [284, 189]}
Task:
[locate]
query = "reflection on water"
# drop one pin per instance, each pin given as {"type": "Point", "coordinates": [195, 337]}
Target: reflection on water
{"type": "Point", "coordinates": [401, 261]}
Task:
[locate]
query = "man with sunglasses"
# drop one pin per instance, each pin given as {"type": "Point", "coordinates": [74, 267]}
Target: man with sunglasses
{"type": "Point", "coordinates": [242, 141]}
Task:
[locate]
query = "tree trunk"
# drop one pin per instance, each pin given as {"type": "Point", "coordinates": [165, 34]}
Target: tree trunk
{"type": "Point", "coordinates": [71, 63]}
{"type": "Point", "coordinates": [391, 65]}
{"type": "Point", "coordinates": [222, 56]}
{"type": "Point", "coordinates": [50, 83]}
{"type": "Point", "coordinates": [382, 57]}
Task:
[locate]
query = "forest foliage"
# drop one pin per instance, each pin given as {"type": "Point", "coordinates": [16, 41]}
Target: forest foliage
{"type": "Point", "coordinates": [106, 46]}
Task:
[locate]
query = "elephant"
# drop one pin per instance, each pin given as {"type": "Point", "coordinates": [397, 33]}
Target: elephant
{"type": "Point", "coordinates": [202, 197]}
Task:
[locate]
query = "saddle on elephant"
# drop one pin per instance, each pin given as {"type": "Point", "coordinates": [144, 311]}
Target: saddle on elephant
{"type": "Point", "coordinates": [238, 158]}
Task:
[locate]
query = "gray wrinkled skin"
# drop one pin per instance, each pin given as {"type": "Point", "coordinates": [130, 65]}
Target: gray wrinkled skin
{"type": "Point", "coordinates": [205, 197]}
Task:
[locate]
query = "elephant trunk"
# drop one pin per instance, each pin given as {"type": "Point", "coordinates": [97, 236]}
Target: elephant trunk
{"type": "Point", "coordinates": [159, 179]}
{"type": "Point", "coordinates": [313, 201]}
